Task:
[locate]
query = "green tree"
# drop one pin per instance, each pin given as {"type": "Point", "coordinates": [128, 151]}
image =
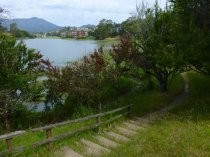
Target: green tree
{"type": "Point", "coordinates": [157, 51]}
{"type": "Point", "coordinates": [104, 29]}
{"type": "Point", "coordinates": [152, 46]}
{"type": "Point", "coordinates": [193, 28]}
{"type": "Point", "coordinates": [19, 69]}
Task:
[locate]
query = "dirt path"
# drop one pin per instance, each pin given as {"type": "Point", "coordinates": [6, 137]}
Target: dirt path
{"type": "Point", "coordinates": [177, 100]}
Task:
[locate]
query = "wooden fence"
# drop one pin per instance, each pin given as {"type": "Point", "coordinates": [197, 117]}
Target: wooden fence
{"type": "Point", "coordinates": [48, 129]}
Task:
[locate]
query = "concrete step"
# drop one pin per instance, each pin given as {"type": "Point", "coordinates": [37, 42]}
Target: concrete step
{"type": "Point", "coordinates": [132, 126]}
{"type": "Point", "coordinates": [142, 120]}
{"type": "Point", "coordinates": [67, 152]}
{"type": "Point", "coordinates": [141, 124]}
{"type": "Point", "coordinates": [126, 132]}
{"type": "Point", "coordinates": [93, 149]}
{"type": "Point", "coordinates": [117, 137]}
{"type": "Point", "coordinates": [106, 142]}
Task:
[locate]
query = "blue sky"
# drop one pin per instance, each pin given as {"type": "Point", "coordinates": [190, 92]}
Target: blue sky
{"type": "Point", "coordinates": [73, 12]}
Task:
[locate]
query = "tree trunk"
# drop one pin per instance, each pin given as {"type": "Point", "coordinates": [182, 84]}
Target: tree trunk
{"type": "Point", "coordinates": [7, 125]}
{"type": "Point", "coordinates": [163, 86]}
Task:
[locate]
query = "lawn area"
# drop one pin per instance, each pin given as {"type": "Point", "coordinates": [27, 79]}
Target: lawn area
{"type": "Point", "coordinates": [184, 131]}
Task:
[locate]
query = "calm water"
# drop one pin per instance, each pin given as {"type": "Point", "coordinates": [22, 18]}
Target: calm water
{"type": "Point", "coordinates": [61, 51]}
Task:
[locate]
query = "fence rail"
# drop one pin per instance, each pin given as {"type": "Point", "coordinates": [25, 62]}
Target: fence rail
{"type": "Point", "coordinates": [48, 129]}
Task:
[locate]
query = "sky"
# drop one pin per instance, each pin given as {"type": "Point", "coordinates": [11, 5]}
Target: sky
{"type": "Point", "coordinates": [74, 12]}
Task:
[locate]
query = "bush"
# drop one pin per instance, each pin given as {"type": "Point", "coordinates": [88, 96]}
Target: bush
{"type": "Point", "coordinates": [82, 111]}
{"type": "Point", "coordinates": [124, 85]}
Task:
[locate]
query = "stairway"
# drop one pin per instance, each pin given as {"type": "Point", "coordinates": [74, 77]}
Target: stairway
{"type": "Point", "coordinates": [104, 143]}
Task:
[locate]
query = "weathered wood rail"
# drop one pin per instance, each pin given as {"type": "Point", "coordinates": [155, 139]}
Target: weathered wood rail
{"type": "Point", "coordinates": [48, 129]}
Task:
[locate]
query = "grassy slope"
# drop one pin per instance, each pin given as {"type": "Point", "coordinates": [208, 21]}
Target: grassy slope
{"type": "Point", "coordinates": [142, 104]}
{"type": "Point", "coordinates": [183, 132]}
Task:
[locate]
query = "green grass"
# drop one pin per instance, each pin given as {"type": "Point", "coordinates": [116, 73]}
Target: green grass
{"type": "Point", "coordinates": [197, 106]}
{"type": "Point", "coordinates": [185, 131]}
{"type": "Point", "coordinates": [168, 138]}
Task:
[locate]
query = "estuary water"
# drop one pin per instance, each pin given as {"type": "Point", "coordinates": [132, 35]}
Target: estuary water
{"type": "Point", "coordinates": [61, 51]}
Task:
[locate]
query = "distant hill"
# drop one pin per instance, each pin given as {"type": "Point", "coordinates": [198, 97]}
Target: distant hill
{"type": "Point", "coordinates": [88, 26]}
{"type": "Point", "coordinates": [33, 25]}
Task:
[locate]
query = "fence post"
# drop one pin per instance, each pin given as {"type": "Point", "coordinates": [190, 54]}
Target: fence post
{"type": "Point", "coordinates": [9, 143]}
{"type": "Point", "coordinates": [49, 135]}
{"type": "Point", "coordinates": [129, 110]}
{"type": "Point", "coordinates": [98, 119]}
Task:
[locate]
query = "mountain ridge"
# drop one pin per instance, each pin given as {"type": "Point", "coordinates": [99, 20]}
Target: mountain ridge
{"type": "Point", "coordinates": [33, 24]}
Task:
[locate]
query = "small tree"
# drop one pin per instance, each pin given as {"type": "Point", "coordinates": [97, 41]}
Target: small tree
{"type": "Point", "coordinates": [19, 69]}
{"type": "Point", "coordinates": [152, 46]}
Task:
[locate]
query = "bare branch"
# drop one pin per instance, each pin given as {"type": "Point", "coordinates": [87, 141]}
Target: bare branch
{"type": "Point", "coordinates": [141, 10]}
{"type": "Point", "coordinates": [3, 14]}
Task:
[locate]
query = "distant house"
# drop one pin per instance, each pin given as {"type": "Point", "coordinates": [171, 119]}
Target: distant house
{"type": "Point", "coordinates": [75, 32]}
{"type": "Point", "coordinates": [80, 33]}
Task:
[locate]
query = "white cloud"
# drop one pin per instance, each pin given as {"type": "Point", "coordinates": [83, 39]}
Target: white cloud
{"type": "Point", "coordinates": [73, 12]}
